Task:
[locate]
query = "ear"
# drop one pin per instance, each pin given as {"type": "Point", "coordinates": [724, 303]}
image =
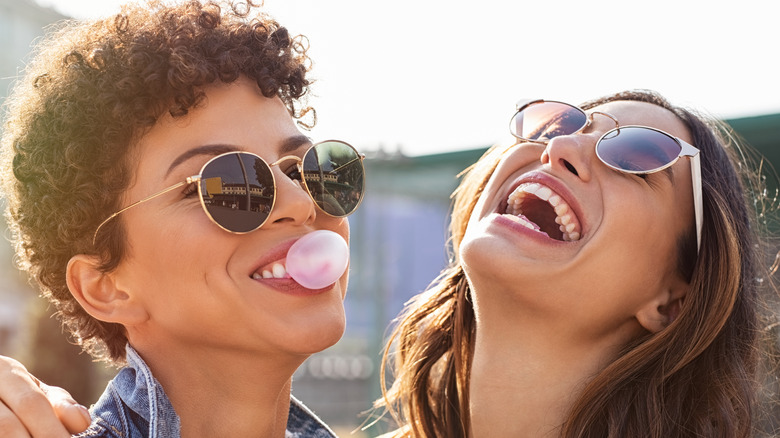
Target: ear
{"type": "Point", "coordinates": [99, 293]}
{"type": "Point", "coordinates": [664, 308]}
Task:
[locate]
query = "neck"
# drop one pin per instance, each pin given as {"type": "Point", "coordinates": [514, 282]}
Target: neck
{"type": "Point", "coordinates": [225, 393]}
{"type": "Point", "coordinates": [528, 369]}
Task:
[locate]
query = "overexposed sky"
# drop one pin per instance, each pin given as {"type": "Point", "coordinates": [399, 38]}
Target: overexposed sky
{"type": "Point", "coordinates": [430, 76]}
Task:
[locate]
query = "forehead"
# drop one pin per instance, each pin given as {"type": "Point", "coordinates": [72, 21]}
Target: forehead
{"type": "Point", "coordinates": [646, 114]}
{"type": "Point", "coordinates": [235, 115]}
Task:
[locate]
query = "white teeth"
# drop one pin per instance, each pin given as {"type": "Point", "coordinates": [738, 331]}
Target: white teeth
{"type": "Point", "coordinates": [569, 225]}
{"type": "Point", "coordinates": [279, 271]}
{"type": "Point", "coordinates": [543, 193]}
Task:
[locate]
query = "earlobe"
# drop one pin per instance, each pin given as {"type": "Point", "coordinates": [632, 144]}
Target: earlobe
{"type": "Point", "coordinates": [99, 294]}
{"type": "Point", "coordinates": [657, 314]}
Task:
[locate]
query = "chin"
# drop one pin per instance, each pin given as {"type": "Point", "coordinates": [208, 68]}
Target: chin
{"type": "Point", "coordinates": [320, 333]}
{"type": "Point", "coordinates": [485, 254]}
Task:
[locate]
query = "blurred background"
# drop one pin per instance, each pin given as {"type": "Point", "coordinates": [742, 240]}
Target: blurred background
{"type": "Point", "coordinates": [424, 88]}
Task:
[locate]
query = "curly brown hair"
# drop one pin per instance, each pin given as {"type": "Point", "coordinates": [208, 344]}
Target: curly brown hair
{"type": "Point", "coordinates": [94, 88]}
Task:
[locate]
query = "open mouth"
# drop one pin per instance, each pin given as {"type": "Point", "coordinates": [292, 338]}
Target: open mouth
{"type": "Point", "coordinates": [538, 208]}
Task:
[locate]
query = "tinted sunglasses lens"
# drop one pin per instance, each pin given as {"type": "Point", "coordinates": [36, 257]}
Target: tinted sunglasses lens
{"type": "Point", "coordinates": [333, 172]}
{"type": "Point", "coordinates": [637, 149]}
{"type": "Point", "coordinates": [237, 190]}
{"type": "Point", "coordinates": [547, 120]}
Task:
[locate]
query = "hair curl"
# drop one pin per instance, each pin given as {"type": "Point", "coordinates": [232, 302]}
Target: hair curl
{"type": "Point", "coordinates": [698, 377]}
{"type": "Point", "coordinates": [94, 88]}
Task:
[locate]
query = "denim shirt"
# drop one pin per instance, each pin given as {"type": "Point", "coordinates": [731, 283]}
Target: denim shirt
{"type": "Point", "coordinates": [134, 405]}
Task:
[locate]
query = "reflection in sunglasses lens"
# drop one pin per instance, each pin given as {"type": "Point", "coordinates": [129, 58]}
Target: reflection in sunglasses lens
{"type": "Point", "coordinates": [547, 120]}
{"type": "Point", "coordinates": [237, 189]}
{"type": "Point", "coordinates": [638, 149]}
{"type": "Point", "coordinates": [238, 192]}
{"type": "Point", "coordinates": [334, 176]}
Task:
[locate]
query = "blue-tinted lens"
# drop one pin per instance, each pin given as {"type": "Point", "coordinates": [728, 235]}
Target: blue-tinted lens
{"type": "Point", "coordinates": [637, 149]}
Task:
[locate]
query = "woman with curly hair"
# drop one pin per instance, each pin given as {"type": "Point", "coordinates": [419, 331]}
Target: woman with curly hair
{"type": "Point", "coordinates": [156, 178]}
{"type": "Point", "coordinates": [604, 282]}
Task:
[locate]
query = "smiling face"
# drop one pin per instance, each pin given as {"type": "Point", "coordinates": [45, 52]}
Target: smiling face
{"type": "Point", "coordinates": [195, 283]}
{"type": "Point", "coordinates": [619, 244]}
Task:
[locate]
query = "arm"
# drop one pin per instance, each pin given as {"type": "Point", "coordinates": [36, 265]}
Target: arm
{"type": "Point", "coordinates": [29, 407]}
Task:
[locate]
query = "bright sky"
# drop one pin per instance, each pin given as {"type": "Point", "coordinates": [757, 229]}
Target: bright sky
{"type": "Point", "coordinates": [432, 76]}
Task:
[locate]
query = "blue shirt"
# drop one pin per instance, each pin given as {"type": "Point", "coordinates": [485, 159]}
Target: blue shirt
{"type": "Point", "coordinates": [134, 405]}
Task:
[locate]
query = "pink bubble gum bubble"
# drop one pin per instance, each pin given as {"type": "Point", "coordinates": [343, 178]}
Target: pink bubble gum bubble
{"type": "Point", "coordinates": [318, 259]}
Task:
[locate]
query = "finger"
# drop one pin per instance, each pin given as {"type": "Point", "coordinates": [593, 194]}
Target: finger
{"type": "Point", "coordinates": [26, 402]}
{"type": "Point", "coordinates": [72, 415]}
{"type": "Point", "coordinates": [10, 425]}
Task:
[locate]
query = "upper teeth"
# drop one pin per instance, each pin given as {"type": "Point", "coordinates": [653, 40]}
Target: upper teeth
{"type": "Point", "coordinates": [565, 218]}
{"type": "Point", "coordinates": [277, 270]}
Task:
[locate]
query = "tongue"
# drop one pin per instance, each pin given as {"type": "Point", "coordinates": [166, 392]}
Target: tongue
{"type": "Point", "coordinates": [318, 259]}
{"type": "Point", "coordinates": [533, 224]}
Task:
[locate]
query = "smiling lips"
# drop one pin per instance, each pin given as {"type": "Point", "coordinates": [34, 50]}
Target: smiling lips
{"type": "Point", "coordinates": [539, 208]}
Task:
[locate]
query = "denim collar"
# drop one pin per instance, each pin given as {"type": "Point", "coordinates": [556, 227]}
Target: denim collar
{"type": "Point", "coordinates": [144, 395]}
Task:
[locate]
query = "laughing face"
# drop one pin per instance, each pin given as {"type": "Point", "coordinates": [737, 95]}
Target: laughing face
{"type": "Point", "coordinates": [558, 236]}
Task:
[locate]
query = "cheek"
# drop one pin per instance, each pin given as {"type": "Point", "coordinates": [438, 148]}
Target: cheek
{"type": "Point", "coordinates": [344, 229]}
{"type": "Point", "coordinates": [167, 245]}
{"type": "Point", "coordinates": [337, 225]}
{"type": "Point", "coordinates": [642, 249]}
{"type": "Point", "coordinates": [488, 200]}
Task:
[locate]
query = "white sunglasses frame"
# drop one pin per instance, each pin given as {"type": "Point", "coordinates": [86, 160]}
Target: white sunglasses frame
{"type": "Point", "coordinates": [686, 150]}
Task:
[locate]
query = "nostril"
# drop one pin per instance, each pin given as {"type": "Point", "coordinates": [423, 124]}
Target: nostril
{"type": "Point", "coordinates": [570, 167]}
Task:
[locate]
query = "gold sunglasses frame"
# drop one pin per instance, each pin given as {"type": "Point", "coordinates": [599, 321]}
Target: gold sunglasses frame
{"type": "Point", "coordinates": [197, 179]}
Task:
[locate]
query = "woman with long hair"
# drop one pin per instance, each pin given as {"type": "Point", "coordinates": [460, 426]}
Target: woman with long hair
{"type": "Point", "coordinates": [605, 282]}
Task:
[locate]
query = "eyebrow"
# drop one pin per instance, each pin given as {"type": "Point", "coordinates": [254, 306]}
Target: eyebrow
{"type": "Point", "coordinates": [291, 144]}
{"type": "Point", "coordinates": [288, 145]}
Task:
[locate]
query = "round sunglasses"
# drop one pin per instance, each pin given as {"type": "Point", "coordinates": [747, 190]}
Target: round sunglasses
{"type": "Point", "coordinates": [631, 149]}
{"type": "Point", "coordinates": [237, 190]}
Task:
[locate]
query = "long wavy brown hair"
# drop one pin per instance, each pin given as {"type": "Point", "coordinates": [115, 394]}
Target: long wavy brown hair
{"type": "Point", "coordinates": [696, 378]}
{"type": "Point", "coordinates": [92, 89]}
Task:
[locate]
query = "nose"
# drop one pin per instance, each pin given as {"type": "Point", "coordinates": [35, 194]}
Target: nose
{"type": "Point", "coordinates": [293, 205]}
{"type": "Point", "coordinates": [574, 154]}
